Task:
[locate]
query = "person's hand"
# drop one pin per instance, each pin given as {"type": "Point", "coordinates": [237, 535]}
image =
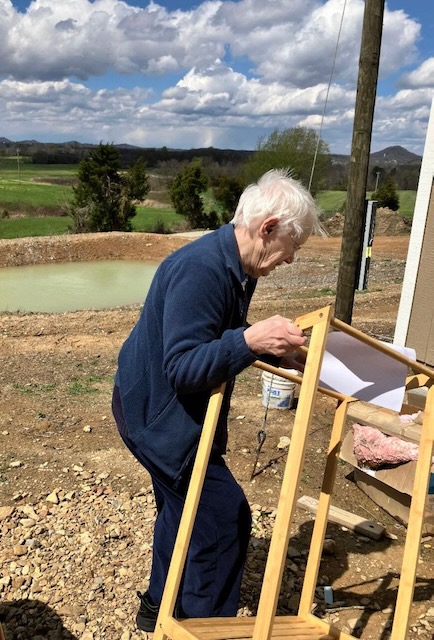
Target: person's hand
{"type": "Point", "coordinates": [276, 335]}
{"type": "Point", "coordinates": [295, 360]}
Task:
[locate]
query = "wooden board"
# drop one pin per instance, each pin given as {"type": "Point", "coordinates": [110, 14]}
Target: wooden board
{"type": "Point", "coordinates": [384, 419]}
{"type": "Point", "coordinates": [345, 518]}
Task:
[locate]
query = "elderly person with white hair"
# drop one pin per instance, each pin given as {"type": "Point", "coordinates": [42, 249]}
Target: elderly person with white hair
{"type": "Point", "coordinates": [191, 336]}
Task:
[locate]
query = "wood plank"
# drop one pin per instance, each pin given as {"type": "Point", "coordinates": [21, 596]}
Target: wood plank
{"type": "Point", "coordinates": [291, 479]}
{"type": "Point", "coordinates": [345, 518]}
{"type": "Point", "coordinates": [284, 627]}
{"type": "Point", "coordinates": [323, 509]}
{"type": "Point", "coordinates": [175, 630]}
{"type": "Point", "coordinates": [331, 629]}
{"type": "Point", "coordinates": [188, 517]}
{"type": "Point", "coordinates": [384, 419]}
{"type": "Point", "coordinates": [383, 348]}
{"type": "Point", "coordinates": [415, 523]}
{"type": "Point", "coordinates": [419, 380]}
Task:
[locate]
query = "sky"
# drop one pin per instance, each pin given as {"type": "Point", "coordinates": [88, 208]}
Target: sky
{"type": "Point", "coordinates": [222, 73]}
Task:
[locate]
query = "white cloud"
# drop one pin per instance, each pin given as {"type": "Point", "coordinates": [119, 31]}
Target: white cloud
{"type": "Point", "coordinates": [237, 69]}
{"type": "Point", "coordinates": [423, 76]}
{"type": "Point", "coordinates": [66, 106]}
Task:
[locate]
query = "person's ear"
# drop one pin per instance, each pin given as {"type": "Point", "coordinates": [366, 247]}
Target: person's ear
{"type": "Point", "coordinates": [268, 226]}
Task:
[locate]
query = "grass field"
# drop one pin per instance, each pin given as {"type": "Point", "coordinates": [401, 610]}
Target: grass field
{"type": "Point", "coordinates": [29, 196]}
{"type": "Point", "coordinates": [22, 170]}
{"type": "Point", "coordinates": [331, 201]}
{"type": "Point", "coordinates": [38, 194]}
{"type": "Point", "coordinates": [33, 227]}
{"type": "Point", "coordinates": [32, 189]}
{"type": "Point", "coordinates": [148, 219]}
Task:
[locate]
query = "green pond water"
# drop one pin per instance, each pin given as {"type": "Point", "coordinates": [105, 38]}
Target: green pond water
{"type": "Point", "coordinates": [73, 286]}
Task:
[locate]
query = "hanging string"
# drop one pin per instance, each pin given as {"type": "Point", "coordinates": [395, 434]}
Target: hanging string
{"type": "Point", "coordinates": [327, 96]}
{"type": "Point", "coordinates": [262, 433]}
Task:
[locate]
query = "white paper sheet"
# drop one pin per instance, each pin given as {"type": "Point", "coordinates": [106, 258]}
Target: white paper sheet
{"type": "Point", "coordinates": [356, 369]}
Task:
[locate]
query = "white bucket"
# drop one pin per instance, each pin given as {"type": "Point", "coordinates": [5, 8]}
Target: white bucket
{"type": "Point", "coordinates": [277, 392]}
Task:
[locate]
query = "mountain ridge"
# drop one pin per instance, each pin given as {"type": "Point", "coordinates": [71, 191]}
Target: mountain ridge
{"type": "Point", "coordinates": [393, 155]}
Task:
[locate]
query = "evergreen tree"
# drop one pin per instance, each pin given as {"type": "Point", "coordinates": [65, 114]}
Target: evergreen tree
{"type": "Point", "coordinates": [102, 199]}
{"type": "Point", "coordinates": [387, 195]}
{"type": "Point", "coordinates": [138, 182]}
{"type": "Point", "coordinates": [227, 192]}
{"type": "Point", "coordinates": [186, 194]}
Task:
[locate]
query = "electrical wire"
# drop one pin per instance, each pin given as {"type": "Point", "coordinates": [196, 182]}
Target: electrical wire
{"type": "Point", "coordinates": [262, 433]}
{"type": "Point", "coordinates": [327, 97]}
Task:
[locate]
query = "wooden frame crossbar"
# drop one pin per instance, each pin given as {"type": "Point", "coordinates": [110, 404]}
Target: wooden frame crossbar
{"type": "Point", "coordinates": [304, 626]}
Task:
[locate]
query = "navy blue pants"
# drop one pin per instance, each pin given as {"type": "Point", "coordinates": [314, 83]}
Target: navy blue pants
{"type": "Point", "coordinates": [213, 571]}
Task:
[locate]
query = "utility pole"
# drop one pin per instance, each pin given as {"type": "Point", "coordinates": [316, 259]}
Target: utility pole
{"type": "Point", "coordinates": [352, 237]}
{"type": "Point", "coordinates": [18, 165]}
{"type": "Point", "coordinates": [377, 179]}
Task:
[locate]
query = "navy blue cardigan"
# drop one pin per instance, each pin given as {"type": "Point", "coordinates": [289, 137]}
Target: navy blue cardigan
{"type": "Point", "coordinates": [188, 340]}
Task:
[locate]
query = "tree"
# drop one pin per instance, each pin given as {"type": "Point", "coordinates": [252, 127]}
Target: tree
{"type": "Point", "coordinates": [294, 149]}
{"type": "Point", "coordinates": [387, 195]}
{"type": "Point", "coordinates": [227, 192]}
{"type": "Point", "coordinates": [186, 194]}
{"type": "Point", "coordinates": [102, 199]}
{"type": "Point", "coordinates": [138, 182]}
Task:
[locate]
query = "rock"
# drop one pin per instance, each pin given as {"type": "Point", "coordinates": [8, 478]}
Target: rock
{"type": "Point", "coordinates": [6, 512]}
{"type": "Point", "coordinates": [284, 442]}
{"type": "Point", "coordinates": [53, 497]}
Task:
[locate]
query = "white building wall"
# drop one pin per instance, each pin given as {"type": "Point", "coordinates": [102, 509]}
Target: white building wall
{"type": "Point", "coordinates": [417, 235]}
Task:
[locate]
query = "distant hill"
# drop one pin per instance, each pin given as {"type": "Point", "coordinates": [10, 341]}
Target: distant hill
{"type": "Point", "coordinates": [391, 156]}
{"type": "Point", "coordinates": [403, 165]}
{"type": "Point", "coordinates": [395, 155]}
{"type": "Point", "coordinates": [73, 152]}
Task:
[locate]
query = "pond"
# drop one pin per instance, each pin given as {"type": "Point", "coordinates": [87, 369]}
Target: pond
{"type": "Point", "coordinates": [73, 286]}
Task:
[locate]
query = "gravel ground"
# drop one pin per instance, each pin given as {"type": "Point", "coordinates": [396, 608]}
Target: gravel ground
{"type": "Point", "coordinates": [76, 511]}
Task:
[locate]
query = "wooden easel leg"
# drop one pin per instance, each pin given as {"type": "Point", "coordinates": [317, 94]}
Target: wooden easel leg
{"type": "Point", "coordinates": [320, 526]}
{"type": "Point", "coordinates": [415, 523]}
{"type": "Point", "coordinates": [320, 322]}
{"type": "Point", "coordinates": [188, 517]}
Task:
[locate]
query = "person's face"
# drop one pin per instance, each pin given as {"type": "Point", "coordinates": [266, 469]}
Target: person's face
{"type": "Point", "coordinates": [272, 248]}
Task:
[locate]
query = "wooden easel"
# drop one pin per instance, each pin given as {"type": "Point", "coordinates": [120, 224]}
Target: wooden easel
{"type": "Point", "coordinates": [304, 626]}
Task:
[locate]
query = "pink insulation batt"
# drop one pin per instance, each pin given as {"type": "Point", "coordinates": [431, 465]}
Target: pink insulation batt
{"type": "Point", "coordinates": [375, 449]}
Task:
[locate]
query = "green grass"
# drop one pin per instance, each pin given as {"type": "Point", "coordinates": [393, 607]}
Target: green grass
{"type": "Point", "coordinates": [34, 227]}
{"type": "Point", "coordinates": [331, 201]}
{"type": "Point", "coordinates": [20, 191]}
{"type": "Point", "coordinates": [407, 200]}
{"type": "Point", "coordinates": [29, 197]}
{"type": "Point", "coordinates": [34, 388]}
{"type": "Point", "coordinates": [84, 385]}
{"type": "Point", "coordinates": [147, 219]}
{"type": "Point", "coordinates": [25, 171]}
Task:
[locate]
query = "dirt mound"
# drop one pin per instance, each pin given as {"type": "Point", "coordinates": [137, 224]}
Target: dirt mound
{"type": "Point", "coordinates": [387, 223]}
{"type": "Point", "coordinates": [88, 246]}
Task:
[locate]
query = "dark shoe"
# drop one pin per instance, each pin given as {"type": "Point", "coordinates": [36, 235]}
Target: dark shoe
{"type": "Point", "coordinates": [148, 613]}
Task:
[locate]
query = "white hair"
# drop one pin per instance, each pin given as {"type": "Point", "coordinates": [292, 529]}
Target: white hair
{"type": "Point", "coordinates": [278, 195]}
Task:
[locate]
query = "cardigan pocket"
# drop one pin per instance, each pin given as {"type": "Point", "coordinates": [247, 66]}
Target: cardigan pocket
{"type": "Point", "coordinates": [170, 439]}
